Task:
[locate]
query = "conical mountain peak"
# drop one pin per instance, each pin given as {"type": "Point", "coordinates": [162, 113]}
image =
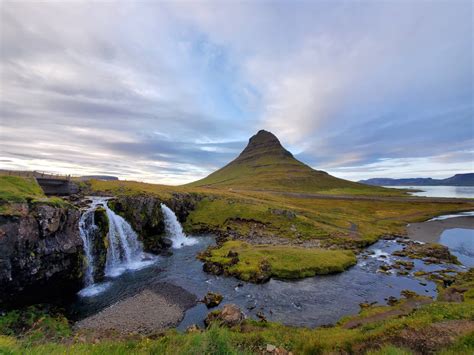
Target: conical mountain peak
{"type": "Point", "coordinates": [263, 143]}
{"type": "Point", "coordinates": [265, 164]}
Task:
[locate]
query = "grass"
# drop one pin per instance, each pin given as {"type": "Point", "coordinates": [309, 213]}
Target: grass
{"type": "Point", "coordinates": [279, 172]}
{"type": "Point", "coordinates": [343, 222]}
{"type": "Point", "coordinates": [15, 190]}
{"type": "Point", "coordinates": [252, 262]}
{"type": "Point", "coordinates": [133, 188]}
{"type": "Point", "coordinates": [19, 189]}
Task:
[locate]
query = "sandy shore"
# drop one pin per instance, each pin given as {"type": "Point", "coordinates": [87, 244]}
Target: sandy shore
{"type": "Point", "coordinates": [431, 231]}
{"type": "Point", "coordinates": [151, 310]}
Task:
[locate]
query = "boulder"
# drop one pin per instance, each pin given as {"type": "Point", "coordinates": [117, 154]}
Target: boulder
{"type": "Point", "coordinates": [229, 316]}
{"type": "Point", "coordinates": [212, 299]}
{"type": "Point", "coordinates": [453, 294]}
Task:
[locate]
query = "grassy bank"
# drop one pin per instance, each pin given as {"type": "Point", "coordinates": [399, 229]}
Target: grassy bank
{"type": "Point", "coordinates": [17, 190]}
{"type": "Point", "coordinates": [260, 262]}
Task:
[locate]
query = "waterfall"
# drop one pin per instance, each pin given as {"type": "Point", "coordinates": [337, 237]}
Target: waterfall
{"type": "Point", "coordinates": [174, 230]}
{"type": "Point", "coordinates": [124, 250]}
{"type": "Point", "coordinates": [87, 231]}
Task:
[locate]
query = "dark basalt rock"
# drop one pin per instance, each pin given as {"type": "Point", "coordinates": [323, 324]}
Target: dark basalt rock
{"type": "Point", "coordinates": [144, 214]}
{"type": "Point", "coordinates": [212, 299]}
{"type": "Point", "coordinates": [41, 254]}
{"type": "Point", "coordinates": [213, 268]}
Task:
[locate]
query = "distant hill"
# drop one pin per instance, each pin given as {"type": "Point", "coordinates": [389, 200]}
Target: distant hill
{"type": "Point", "coordinates": [456, 180]}
{"type": "Point", "coordinates": [266, 165]}
{"type": "Point", "coordinates": [98, 177]}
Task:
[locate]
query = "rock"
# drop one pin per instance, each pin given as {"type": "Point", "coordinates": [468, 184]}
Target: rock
{"type": "Point", "coordinates": [213, 268]}
{"type": "Point", "coordinates": [261, 316]}
{"type": "Point", "coordinates": [229, 316]}
{"type": "Point", "coordinates": [193, 328]}
{"type": "Point", "coordinates": [270, 348]}
{"type": "Point", "coordinates": [144, 214]}
{"type": "Point", "coordinates": [430, 253]}
{"type": "Point", "coordinates": [41, 254]}
{"type": "Point", "coordinates": [453, 294]}
{"type": "Point", "coordinates": [409, 294]}
{"type": "Point", "coordinates": [166, 242]}
{"type": "Point", "coordinates": [280, 212]}
{"type": "Point", "coordinates": [392, 301]}
{"type": "Point", "coordinates": [212, 299]}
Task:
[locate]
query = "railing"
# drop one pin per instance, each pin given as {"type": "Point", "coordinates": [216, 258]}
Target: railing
{"type": "Point", "coordinates": [36, 174]}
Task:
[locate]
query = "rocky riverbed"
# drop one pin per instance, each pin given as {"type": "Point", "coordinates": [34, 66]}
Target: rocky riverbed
{"type": "Point", "coordinates": [154, 309]}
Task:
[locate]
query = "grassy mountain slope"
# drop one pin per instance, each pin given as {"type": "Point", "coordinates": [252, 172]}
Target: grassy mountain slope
{"type": "Point", "coordinates": [266, 165]}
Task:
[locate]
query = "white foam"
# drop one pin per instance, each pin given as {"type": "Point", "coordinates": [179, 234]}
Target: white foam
{"type": "Point", "coordinates": [94, 289]}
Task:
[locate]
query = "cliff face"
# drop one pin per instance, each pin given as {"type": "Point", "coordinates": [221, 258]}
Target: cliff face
{"type": "Point", "coordinates": [41, 255]}
{"type": "Point", "coordinates": [144, 214]}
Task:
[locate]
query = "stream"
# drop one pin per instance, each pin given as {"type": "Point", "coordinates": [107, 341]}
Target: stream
{"type": "Point", "coordinates": [309, 302]}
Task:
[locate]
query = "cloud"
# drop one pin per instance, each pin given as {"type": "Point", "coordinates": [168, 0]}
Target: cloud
{"type": "Point", "coordinates": [168, 92]}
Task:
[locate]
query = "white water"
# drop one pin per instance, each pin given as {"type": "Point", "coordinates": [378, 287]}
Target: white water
{"type": "Point", "coordinates": [87, 231]}
{"type": "Point", "coordinates": [124, 252]}
{"type": "Point", "coordinates": [174, 230]}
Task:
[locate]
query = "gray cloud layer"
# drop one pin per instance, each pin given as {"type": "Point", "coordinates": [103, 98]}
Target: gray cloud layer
{"type": "Point", "coordinates": [167, 92]}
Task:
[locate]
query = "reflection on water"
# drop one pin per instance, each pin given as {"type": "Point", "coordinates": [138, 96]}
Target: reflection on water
{"type": "Point", "coordinates": [461, 243]}
{"type": "Point", "coordinates": [440, 191]}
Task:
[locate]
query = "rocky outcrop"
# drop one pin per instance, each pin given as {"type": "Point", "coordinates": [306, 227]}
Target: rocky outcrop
{"type": "Point", "coordinates": [41, 254]}
{"type": "Point", "coordinates": [229, 316]}
{"type": "Point", "coordinates": [144, 214]}
{"type": "Point", "coordinates": [432, 253]}
{"type": "Point", "coordinates": [100, 243]}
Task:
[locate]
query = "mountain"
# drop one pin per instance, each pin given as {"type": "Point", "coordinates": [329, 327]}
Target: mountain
{"type": "Point", "coordinates": [266, 165]}
{"type": "Point", "coordinates": [456, 180]}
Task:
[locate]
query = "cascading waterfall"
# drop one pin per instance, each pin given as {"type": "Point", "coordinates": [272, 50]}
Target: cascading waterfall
{"type": "Point", "coordinates": [124, 251]}
{"type": "Point", "coordinates": [174, 230]}
{"type": "Point", "coordinates": [87, 231]}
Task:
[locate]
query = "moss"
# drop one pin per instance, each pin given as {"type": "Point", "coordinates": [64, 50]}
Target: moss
{"type": "Point", "coordinates": [257, 263]}
{"type": "Point", "coordinates": [101, 242]}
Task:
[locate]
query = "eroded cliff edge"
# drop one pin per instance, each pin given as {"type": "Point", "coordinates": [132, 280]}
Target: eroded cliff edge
{"type": "Point", "coordinates": [41, 253]}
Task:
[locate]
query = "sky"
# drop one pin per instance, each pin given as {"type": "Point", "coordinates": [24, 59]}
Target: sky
{"type": "Point", "coordinates": [167, 92]}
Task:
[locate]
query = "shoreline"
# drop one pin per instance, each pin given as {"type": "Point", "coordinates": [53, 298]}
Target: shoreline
{"type": "Point", "coordinates": [430, 231]}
